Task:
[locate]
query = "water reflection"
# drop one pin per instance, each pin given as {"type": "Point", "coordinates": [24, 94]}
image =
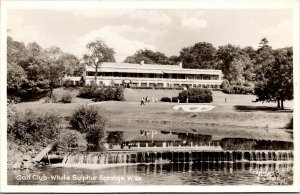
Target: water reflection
{"type": "Point", "coordinates": [198, 173]}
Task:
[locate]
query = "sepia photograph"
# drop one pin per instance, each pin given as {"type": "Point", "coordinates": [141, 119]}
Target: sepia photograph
{"type": "Point", "coordinates": [111, 94]}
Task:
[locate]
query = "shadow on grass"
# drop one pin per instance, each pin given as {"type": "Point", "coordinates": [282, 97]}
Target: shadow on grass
{"type": "Point", "coordinates": [243, 108]}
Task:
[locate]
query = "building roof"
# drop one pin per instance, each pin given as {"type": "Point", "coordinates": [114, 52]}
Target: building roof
{"type": "Point", "coordinates": [151, 68]}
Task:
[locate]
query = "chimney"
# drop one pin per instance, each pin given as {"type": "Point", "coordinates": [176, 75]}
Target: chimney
{"type": "Point", "coordinates": [142, 62]}
{"type": "Point", "coordinates": [180, 64]}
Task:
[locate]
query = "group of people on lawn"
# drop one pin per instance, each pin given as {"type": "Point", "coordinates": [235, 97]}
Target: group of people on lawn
{"type": "Point", "coordinates": [147, 99]}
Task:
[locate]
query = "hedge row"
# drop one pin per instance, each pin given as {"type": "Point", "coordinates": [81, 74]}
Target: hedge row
{"type": "Point", "coordinates": [167, 99]}
{"type": "Point", "coordinates": [192, 95]}
{"type": "Point", "coordinates": [196, 95]}
{"type": "Point", "coordinates": [238, 90]}
{"type": "Point", "coordinates": [102, 93]}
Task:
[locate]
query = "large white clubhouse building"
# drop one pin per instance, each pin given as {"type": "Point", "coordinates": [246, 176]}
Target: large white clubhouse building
{"type": "Point", "coordinates": [143, 75]}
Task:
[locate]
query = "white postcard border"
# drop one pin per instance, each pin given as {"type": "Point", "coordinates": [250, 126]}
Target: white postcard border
{"type": "Point", "coordinates": [142, 4]}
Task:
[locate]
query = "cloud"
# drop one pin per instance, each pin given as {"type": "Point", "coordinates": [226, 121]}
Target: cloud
{"type": "Point", "coordinates": [193, 22]}
{"type": "Point", "coordinates": [115, 38]}
{"type": "Point", "coordinates": [152, 17]}
{"type": "Point", "coordinates": [279, 35]}
{"type": "Point", "coordinates": [96, 13]}
{"type": "Point", "coordinates": [29, 34]}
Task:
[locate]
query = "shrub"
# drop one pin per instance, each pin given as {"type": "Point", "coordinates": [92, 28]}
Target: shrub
{"type": "Point", "coordinates": [96, 135]}
{"type": "Point", "coordinates": [119, 94]}
{"type": "Point", "coordinates": [87, 91]}
{"type": "Point", "coordinates": [13, 99]}
{"type": "Point", "coordinates": [225, 84]}
{"type": "Point", "coordinates": [53, 99]}
{"type": "Point", "coordinates": [238, 90]}
{"type": "Point", "coordinates": [109, 93]}
{"type": "Point", "coordinates": [175, 99]}
{"type": "Point", "coordinates": [165, 99]}
{"type": "Point", "coordinates": [31, 127]}
{"type": "Point", "coordinates": [99, 95]}
{"type": "Point", "coordinates": [103, 93]}
{"type": "Point", "coordinates": [68, 83]}
{"type": "Point", "coordinates": [196, 95]}
{"type": "Point", "coordinates": [71, 138]}
{"type": "Point", "coordinates": [84, 117]}
{"type": "Point", "coordinates": [66, 98]}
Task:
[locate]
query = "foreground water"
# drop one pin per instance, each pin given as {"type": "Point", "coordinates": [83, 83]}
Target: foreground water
{"type": "Point", "coordinates": [202, 173]}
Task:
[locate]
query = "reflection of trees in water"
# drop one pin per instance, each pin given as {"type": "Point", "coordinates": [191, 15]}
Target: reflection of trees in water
{"type": "Point", "coordinates": [252, 144]}
{"type": "Point", "coordinates": [195, 138]}
{"type": "Point", "coordinates": [115, 137]}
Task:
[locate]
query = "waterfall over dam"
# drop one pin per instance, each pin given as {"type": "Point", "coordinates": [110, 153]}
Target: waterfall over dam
{"type": "Point", "coordinates": [150, 157]}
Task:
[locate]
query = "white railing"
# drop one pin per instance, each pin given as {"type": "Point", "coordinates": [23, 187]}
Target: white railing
{"type": "Point", "coordinates": [156, 80]}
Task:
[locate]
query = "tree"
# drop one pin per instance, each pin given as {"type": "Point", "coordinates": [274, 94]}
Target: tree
{"type": "Point", "coordinates": [96, 135]}
{"type": "Point", "coordinates": [250, 51]}
{"type": "Point", "coordinates": [174, 59]}
{"type": "Point", "coordinates": [53, 70]}
{"type": "Point", "coordinates": [34, 49]}
{"type": "Point", "coordinates": [149, 57]}
{"type": "Point", "coordinates": [30, 127]}
{"type": "Point", "coordinates": [71, 138]}
{"type": "Point", "coordinates": [53, 74]}
{"type": "Point", "coordinates": [89, 120]}
{"type": "Point", "coordinates": [199, 56]}
{"type": "Point", "coordinates": [263, 43]}
{"type": "Point", "coordinates": [16, 51]}
{"type": "Point", "coordinates": [98, 52]}
{"type": "Point", "coordinates": [233, 61]}
{"type": "Point", "coordinates": [275, 80]}
{"type": "Point", "coordinates": [33, 64]}
{"type": "Point", "coordinates": [84, 117]}
{"type": "Point", "coordinates": [16, 76]}
{"type": "Point", "coordinates": [71, 64]}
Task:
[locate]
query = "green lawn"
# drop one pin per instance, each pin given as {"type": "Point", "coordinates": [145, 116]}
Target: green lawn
{"type": "Point", "coordinates": [238, 117]}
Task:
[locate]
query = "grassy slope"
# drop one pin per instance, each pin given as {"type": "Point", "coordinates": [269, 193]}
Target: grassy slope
{"type": "Point", "coordinates": [247, 120]}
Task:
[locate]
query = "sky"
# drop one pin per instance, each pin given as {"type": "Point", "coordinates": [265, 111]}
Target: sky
{"type": "Point", "coordinates": [167, 31]}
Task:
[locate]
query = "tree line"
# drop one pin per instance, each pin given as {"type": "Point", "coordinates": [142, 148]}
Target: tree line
{"type": "Point", "coordinates": [30, 67]}
{"type": "Point", "coordinates": [269, 70]}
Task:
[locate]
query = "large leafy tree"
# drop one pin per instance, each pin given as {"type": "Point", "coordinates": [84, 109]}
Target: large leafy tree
{"type": "Point", "coordinates": [232, 60]}
{"type": "Point", "coordinates": [97, 53]}
{"type": "Point", "coordinates": [200, 56]}
{"type": "Point", "coordinates": [16, 51]}
{"type": "Point", "coordinates": [32, 66]}
{"type": "Point", "coordinates": [71, 64]}
{"type": "Point", "coordinates": [16, 76]}
{"type": "Point", "coordinates": [149, 57]}
{"type": "Point", "coordinates": [53, 69]}
{"type": "Point", "coordinates": [274, 79]}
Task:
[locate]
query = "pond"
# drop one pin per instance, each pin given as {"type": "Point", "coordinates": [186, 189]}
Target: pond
{"type": "Point", "coordinates": [196, 173]}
